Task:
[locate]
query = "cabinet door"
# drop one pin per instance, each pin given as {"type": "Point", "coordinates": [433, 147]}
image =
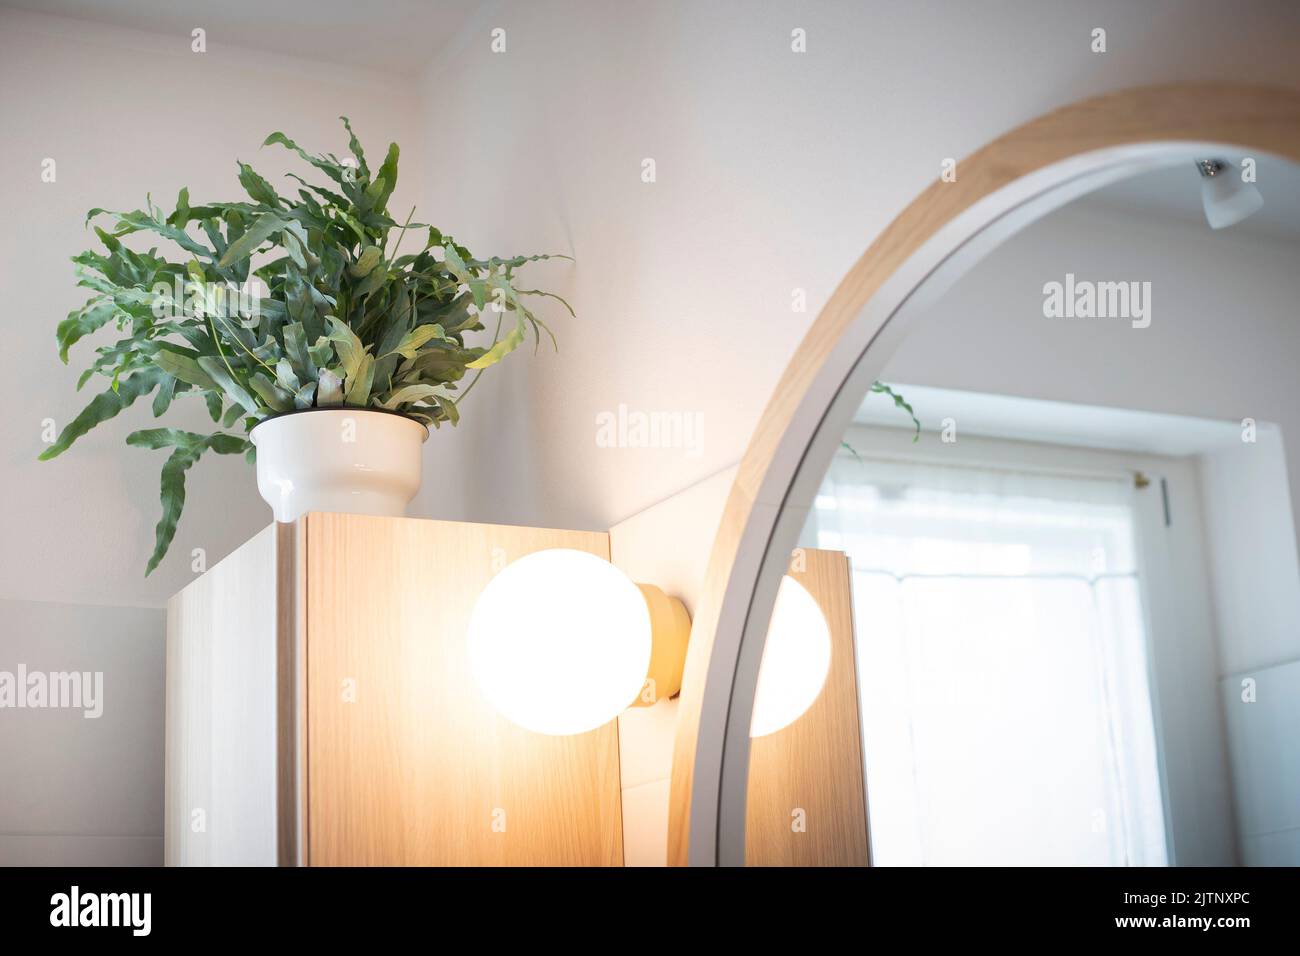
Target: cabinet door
{"type": "Point", "coordinates": [407, 763]}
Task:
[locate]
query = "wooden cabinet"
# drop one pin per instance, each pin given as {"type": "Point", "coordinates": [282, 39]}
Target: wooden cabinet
{"type": "Point", "coordinates": [320, 710]}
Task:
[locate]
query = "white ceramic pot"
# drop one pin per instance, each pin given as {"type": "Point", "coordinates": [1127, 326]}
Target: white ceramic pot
{"type": "Point", "coordinates": [353, 460]}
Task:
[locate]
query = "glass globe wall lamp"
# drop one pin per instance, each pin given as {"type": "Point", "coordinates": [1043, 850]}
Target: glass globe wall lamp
{"type": "Point", "coordinates": [562, 642]}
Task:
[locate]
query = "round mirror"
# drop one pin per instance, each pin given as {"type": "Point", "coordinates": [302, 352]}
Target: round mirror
{"type": "Point", "coordinates": [1041, 487]}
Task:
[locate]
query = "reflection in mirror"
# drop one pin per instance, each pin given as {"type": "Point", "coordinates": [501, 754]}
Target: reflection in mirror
{"type": "Point", "coordinates": [1072, 602]}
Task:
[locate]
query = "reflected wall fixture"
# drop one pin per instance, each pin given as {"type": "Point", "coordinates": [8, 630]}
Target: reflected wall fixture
{"type": "Point", "coordinates": [1227, 197]}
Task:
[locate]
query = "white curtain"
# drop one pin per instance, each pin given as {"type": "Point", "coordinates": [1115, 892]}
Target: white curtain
{"type": "Point", "coordinates": [1006, 710]}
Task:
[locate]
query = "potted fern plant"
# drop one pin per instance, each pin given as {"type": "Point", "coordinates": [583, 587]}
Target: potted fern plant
{"type": "Point", "coordinates": [319, 349]}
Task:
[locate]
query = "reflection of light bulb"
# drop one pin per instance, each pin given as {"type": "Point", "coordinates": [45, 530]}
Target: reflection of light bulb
{"type": "Point", "coordinates": [560, 641]}
{"type": "Point", "coordinates": [796, 660]}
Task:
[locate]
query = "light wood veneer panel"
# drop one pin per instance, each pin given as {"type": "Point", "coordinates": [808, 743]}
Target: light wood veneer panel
{"type": "Point", "coordinates": [815, 764]}
{"type": "Point", "coordinates": [418, 767]}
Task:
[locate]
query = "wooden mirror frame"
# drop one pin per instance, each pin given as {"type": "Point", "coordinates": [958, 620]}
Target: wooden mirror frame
{"type": "Point", "coordinates": [998, 190]}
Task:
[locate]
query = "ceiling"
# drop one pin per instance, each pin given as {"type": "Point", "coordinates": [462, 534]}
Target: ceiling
{"type": "Point", "coordinates": [395, 36]}
{"type": "Point", "coordinates": [1175, 193]}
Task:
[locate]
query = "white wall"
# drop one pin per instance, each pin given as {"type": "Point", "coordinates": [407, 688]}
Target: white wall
{"type": "Point", "coordinates": [775, 171]}
{"type": "Point", "coordinates": [77, 790]}
{"type": "Point", "coordinates": [1256, 595]}
{"type": "Point", "coordinates": [123, 114]}
{"type": "Point", "coordinates": [1256, 573]}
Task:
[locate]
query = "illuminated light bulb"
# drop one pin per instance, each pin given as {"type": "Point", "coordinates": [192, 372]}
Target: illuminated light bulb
{"type": "Point", "coordinates": [796, 660]}
{"type": "Point", "coordinates": [560, 642]}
